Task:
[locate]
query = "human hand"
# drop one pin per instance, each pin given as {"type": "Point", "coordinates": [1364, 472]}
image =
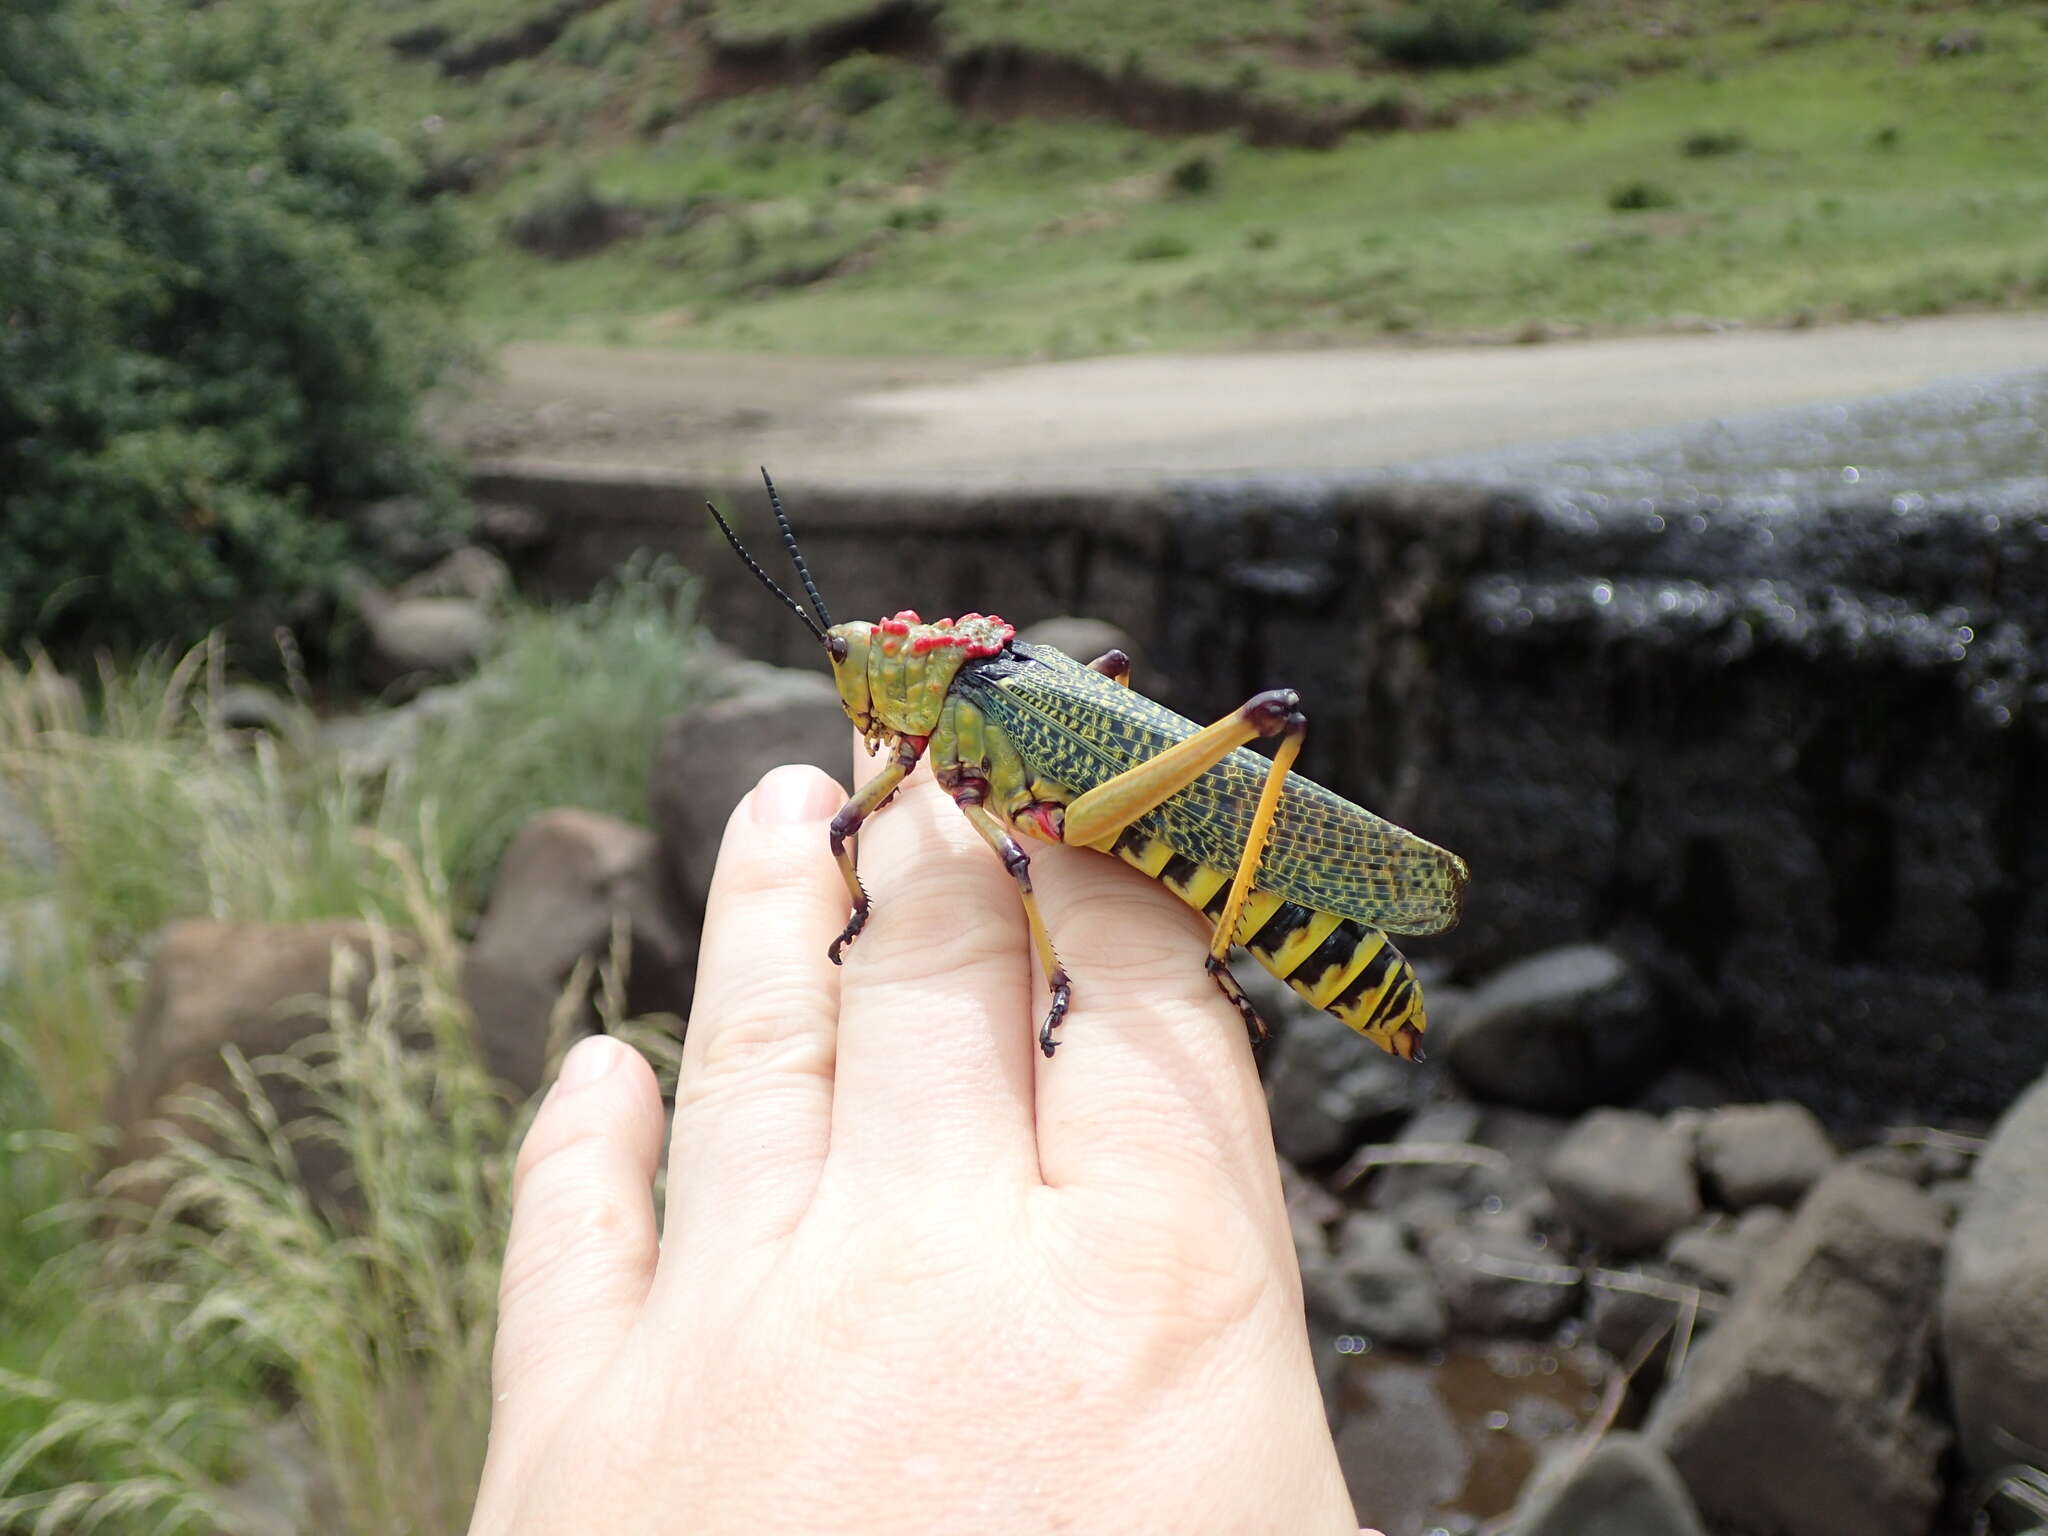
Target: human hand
{"type": "Point", "coordinates": [913, 1276]}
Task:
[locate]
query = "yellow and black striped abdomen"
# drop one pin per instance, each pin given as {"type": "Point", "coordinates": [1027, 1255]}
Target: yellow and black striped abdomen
{"type": "Point", "coordinates": [1340, 965]}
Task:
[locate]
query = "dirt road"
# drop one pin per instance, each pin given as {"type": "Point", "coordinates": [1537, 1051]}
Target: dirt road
{"type": "Point", "coordinates": [1148, 417]}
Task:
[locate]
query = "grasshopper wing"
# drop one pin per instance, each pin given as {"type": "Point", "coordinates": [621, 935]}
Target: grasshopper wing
{"type": "Point", "coordinates": [1077, 728]}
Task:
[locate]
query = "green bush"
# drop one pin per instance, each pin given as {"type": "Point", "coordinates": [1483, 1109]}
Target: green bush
{"type": "Point", "coordinates": [219, 303]}
{"type": "Point", "coordinates": [1457, 34]}
{"type": "Point", "coordinates": [1704, 143]}
{"type": "Point", "coordinates": [1161, 248]}
{"type": "Point", "coordinates": [1638, 196]}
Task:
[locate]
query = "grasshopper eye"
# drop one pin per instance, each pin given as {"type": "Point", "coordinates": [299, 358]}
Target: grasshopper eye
{"type": "Point", "coordinates": [835, 647]}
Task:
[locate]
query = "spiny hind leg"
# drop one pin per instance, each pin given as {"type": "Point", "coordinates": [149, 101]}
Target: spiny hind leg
{"type": "Point", "coordinates": [1095, 819]}
{"type": "Point", "coordinates": [1254, 1025]}
{"type": "Point", "coordinates": [1018, 863]}
{"type": "Point", "coordinates": [870, 798]}
{"type": "Point", "coordinates": [1114, 665]}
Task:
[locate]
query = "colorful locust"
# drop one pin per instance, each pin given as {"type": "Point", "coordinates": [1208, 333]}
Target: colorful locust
{"type": "Point", "coordinates": [1029, 741]}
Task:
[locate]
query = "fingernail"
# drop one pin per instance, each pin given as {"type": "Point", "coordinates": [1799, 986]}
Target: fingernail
{"type": "Point", "coordinates": [589, 1059]}
{"type": "Point", "coordinates": [793, 793]}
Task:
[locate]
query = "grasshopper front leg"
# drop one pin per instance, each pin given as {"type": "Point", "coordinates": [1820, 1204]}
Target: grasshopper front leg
{"type": "Point", "coordinates": [865, 802]}
{"type": "Point", "coordinates": [968, 797]}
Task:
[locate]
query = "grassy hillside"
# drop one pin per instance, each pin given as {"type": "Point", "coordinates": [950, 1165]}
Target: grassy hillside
{"type": "Point", "coordinates": [1000, 177]}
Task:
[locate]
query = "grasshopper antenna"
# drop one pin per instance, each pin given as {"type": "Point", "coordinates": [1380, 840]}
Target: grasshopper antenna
{"type": "Point", "coordinates": [789, 542]}
{"type": "Point", "coordinates": [762, 576]}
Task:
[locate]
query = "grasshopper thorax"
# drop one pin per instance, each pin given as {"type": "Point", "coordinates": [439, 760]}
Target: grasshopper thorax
{"type": "Point", "coordinates": [893, 674]}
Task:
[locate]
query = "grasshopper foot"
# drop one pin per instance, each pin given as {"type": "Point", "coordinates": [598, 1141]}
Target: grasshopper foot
{"type": "Point", "coordinates": [854, 924]}
{"type": "Point", "coordinates": [1062, 995]}
{"type": "Point", "coordinates": [1254, 1025]}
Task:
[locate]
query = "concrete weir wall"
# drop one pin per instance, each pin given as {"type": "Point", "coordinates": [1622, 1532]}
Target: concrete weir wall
{"type": "Point", "coordinates": [1794, 758]}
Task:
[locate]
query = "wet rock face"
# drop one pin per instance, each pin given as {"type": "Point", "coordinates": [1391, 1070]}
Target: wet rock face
{"type": "Point", "coordinates": [1767, 724]}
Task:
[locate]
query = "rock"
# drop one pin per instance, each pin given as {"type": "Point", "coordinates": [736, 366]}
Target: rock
{"type": "Point", "coordinates": [252, 707]}
{"type": "Point", "coordinates": [1625, 1486]}
{"type": "Point", "coordinates": [1994, 1304]}
{"type": "Point", "coordinates": [511, 526]}
{"type": "Point", "coordinates": [1763, 1154]}
{"type": "Point", "coordinates": [412, 637]}
{"type": "Point", "coordinates": [570, 875]}
{"type": "Point", "coordinates": [1719, 1252]}
{"type": "Point", "coordinates": [22, 838]}
{"type": "Point", "coordinates": [260, 988]}
{"type": "Point", "coordinates": [1798, 1416]}
{"type": "Point", "coordinates": [369, 746]}
{"type": "Point", "coordinates": [1082, 639]}
{"type": "Point", "coordinates": [1329, 1090]}
{"type": "Point", "coordinates": [468, 572]}
{"type": "Point", "coordinates": [1559, 1032]}
{"type": "Point", "coordinates": [1403, 1452]}
{"type": "Point", "coordinates": [403, 531]}
{"type": "Point", "coordinates": [710, 758]}
{"type": "Point", "coordinates": [1371, 1284]}
{"type": "Point", "coordinates": [1636, 1312]}
{"type": "Point", "coordinates": [1625, 1180]}
{"type": "Point", "coordinates": [31, 934]}
{"type": "Point", "coordinates": [1498, 1282]}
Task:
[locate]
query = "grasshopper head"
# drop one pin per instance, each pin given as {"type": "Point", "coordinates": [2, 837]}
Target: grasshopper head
{"type": "Point", "coordinates": [847, 646]}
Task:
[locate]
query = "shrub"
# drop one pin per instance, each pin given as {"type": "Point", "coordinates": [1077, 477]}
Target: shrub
{"type": "Point", "coordinates": [1458, 34]}
{"type": "Point", "coordinates": [221, 303]}
{"type": "Point", "coordinates": [1704, 143]}
{"type": "Point", "coordinates": [861, 81]}
{"type": "Point", "coordinates": [1194, 176]}
{"type": "Point", "coordinates": [1636, 196]}
{"type": "Point", "coordinates": [566, 217]}
{"type": "Point", "coordinates": [1161, 248]}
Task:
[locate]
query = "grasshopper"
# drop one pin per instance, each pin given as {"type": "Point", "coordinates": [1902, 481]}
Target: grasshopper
{"type": "Point", "coordinates": [1029, 742]}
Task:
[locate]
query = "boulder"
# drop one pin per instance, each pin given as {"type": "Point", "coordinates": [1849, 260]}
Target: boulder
{"type": "Point", "coordinates": [1497, 1282]}
{"type": "Point", "coordinates": [711, 757]}
{"type": "Point", "coordinates": [1994, 1303]}
{"type": "Point", "coordinates": [252, 707]}
{"type": "Point", "coordinates": [568, 878]}
{"type": "Point", "coordinates": [1329, 1090]}
{"type": "Point", "coordinates": [1625, 1180]}
{"type": "Point", "coordinates": [31, 935]}
{"type": "Point", "coordinates": [1370, 1283]}
{"type": "Point", "coordinates": [1719, 1252]}
{"type": "Point", "coordinates": [1559, 1032]}
{"type": "Point", "coordinates": [1763, 1154]}
{"type": "Point", "coordinates": [1799, 1415]}
{"type": "Point", "coordinates": [469, 572]}
{"type": "Point", "coordinates": [23, 841]}
{"type": "Point", "coordinates": [416, 638]}
{"type": "Point", "coordinates": [260, 988]}
{"type": "Point", "coordinates": [1625, 1486]}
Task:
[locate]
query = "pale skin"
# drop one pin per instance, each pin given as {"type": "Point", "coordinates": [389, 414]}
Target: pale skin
{"type": "Point", "coordinates": [915, 1277]}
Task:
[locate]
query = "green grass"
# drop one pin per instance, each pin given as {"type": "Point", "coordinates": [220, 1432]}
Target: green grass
{"type": "Point", "coordinates": [136, 1373]}
{"type": "Point", "coordinates": [855, 210]}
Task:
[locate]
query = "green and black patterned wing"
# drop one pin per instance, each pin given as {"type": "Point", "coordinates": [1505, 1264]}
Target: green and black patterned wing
{"type": "Point", "coordinates": [1077, 728]}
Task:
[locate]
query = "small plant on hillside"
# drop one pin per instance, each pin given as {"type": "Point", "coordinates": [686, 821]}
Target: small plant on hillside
{"type": "Point", "coordinates": [1455, 34]}
{"type": "Point", "coordinates": [1161, 247]}
{"type": "Point", "coordinates": [1639, 196]}
{"type": "Point", "coordinates": [1705, 143]}
{"type": "Point", "coordinates": [566, 218]}
{"type": "Point", "coordinates": [861, 81]}
{"type": "Point", "coordinates": [1193, 175]}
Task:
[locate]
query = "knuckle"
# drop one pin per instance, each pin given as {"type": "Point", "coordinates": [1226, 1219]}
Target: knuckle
{"type": "Point", "coordinates": [780, 1029]}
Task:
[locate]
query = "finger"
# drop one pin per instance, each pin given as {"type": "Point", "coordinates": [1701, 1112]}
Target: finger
{"type": "Point", "coordinates": [582, 1246]}
{"type": "Point", "coordinates": [937, 1008]}
{"type": "Point", "coordinates": [754, 1094]}
{"type": "Point", "coordinates": [1154, 1074]}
